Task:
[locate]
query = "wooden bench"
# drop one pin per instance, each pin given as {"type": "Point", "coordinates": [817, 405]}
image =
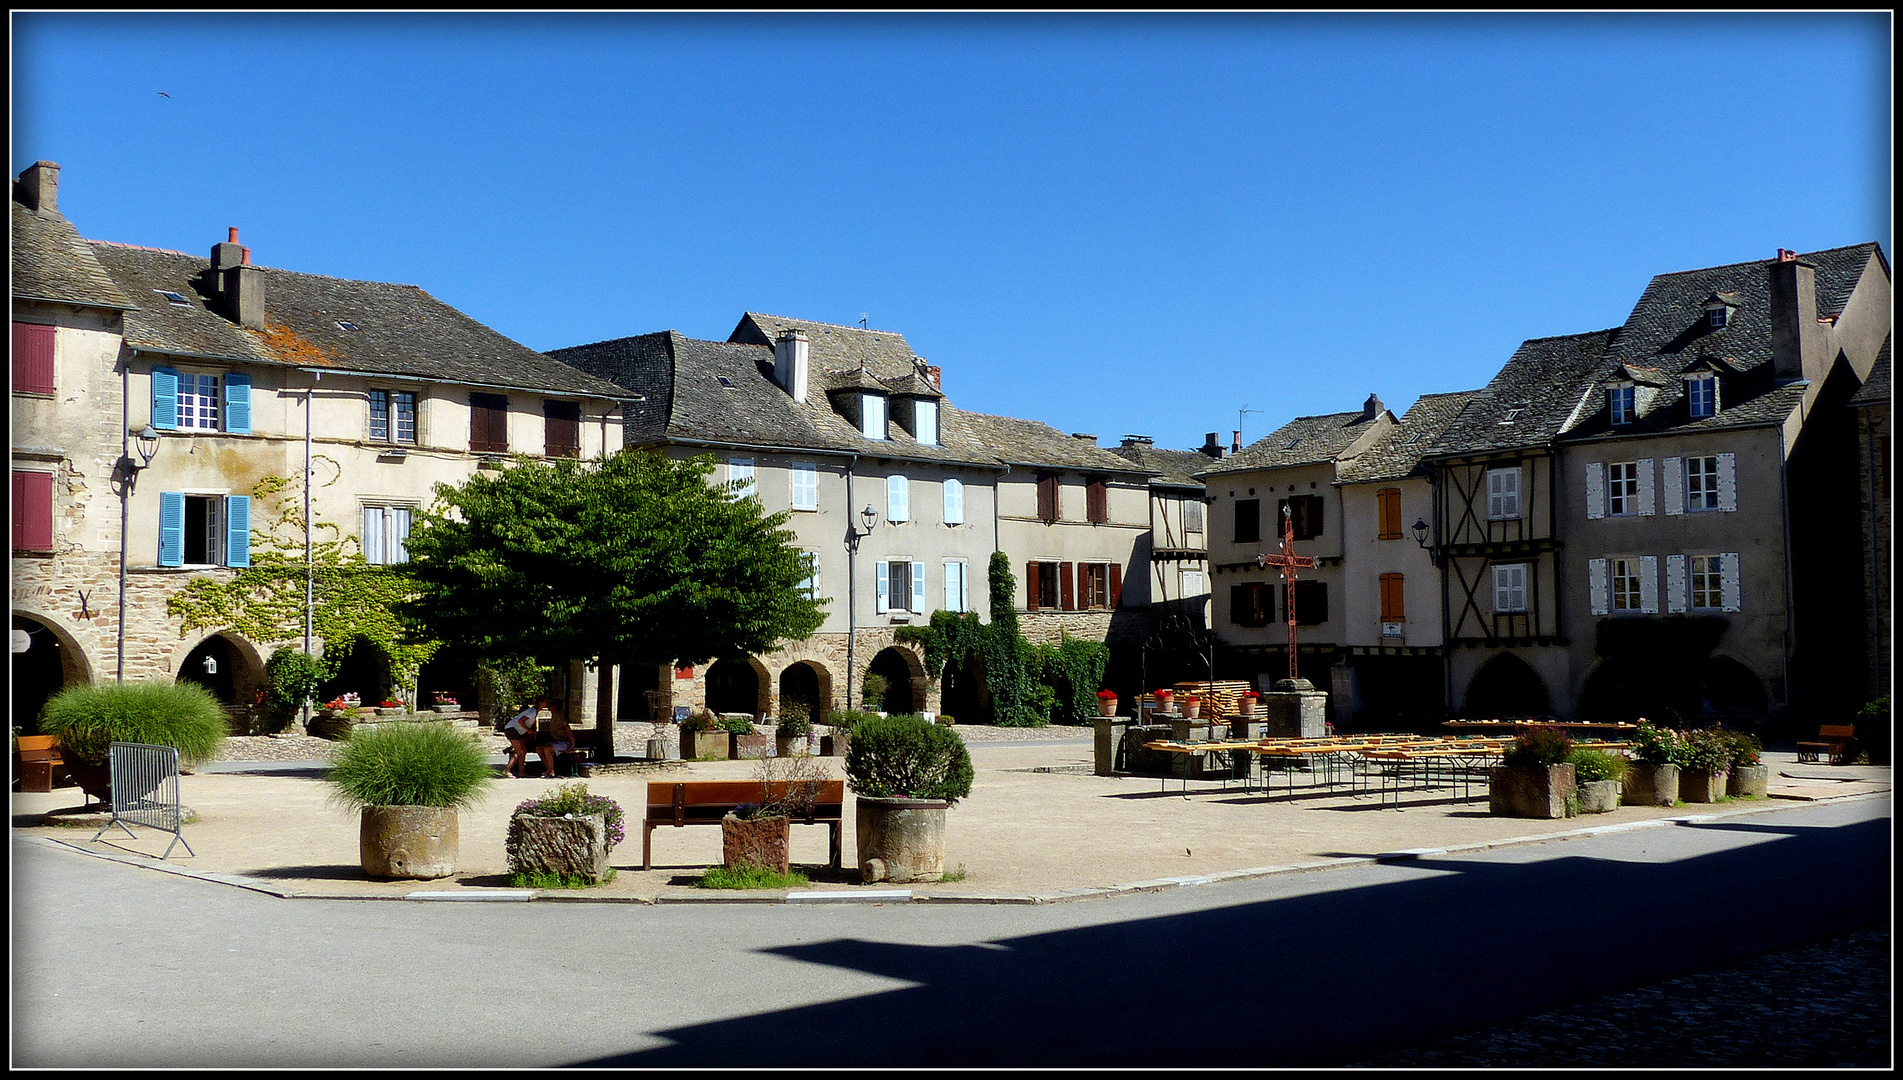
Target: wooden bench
{"type": "Point", "coordinates": [36, 756]}
{"type": "Point", "coordinates": [705, 802]}
{"type": "Point", "coordinates": [1831, 739]}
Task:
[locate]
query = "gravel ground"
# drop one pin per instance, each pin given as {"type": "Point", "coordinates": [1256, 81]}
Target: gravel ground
{"type": "Point", "coordinates": [1821, 1005]}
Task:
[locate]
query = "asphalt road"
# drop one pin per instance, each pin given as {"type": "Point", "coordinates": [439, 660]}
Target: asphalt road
{"type": "Point", "coordinates": [114, 966]}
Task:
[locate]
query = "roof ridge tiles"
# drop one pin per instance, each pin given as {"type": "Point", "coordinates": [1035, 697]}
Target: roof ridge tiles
{"type": "Point", "coordinates": [141, 247]}
{"type": "Point", "coordinates": [819, 322]}
{"type": "Point", "coordinates": [1754, 262]}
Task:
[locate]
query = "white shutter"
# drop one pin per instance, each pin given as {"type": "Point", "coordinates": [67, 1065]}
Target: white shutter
{"type": "Point", "coordinates": [952, 587]}
{"type": "Point", "coordinates": [1596, 490]}
{"type": "Point", "coordinates": [1727, 483]}
{"type": "Point", "coordinates": [399, 533]}
{"type": "Point", "coordinates": [740, 473]}
{"type": "Point", "coordinates": [1729, 577]}
{"type": "Point", "coordinates": [1596, 585]}
{"type": "Point", "coordinates": [882, 604]}
{"type": "Point", "coordinates": [918, 588]}
{"type": "Point", "coordinates": [954, 502]}
{"type": "Point", "coordinates": [805, 477]}
{"type": "Point", "coordinates": [373, 535]}
{"type": "Point", "coordinates": [1645, 487]}
{"type": "Point", "coordinates": [1649, 584]}
{"type": "Point", "coordinates": [1674, 485]}
{"type": "Point", "coordinates": [898, 498]}
{"type": "Point", "coordinates": [1675, 583]}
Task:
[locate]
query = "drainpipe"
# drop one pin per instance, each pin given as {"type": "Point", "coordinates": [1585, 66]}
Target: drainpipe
{"type": "Point", "coordinates": [309, 562]}
{"type": "Point", "coordinates": [1790, 614]}
{"type": "Point", "coordinates": [852, 583]}
{"type": "Point", "coordinates": [125, 502]}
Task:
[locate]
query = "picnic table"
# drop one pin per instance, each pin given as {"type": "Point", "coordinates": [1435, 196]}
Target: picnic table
{"type": "Point", "coordinates": [1515, 725]}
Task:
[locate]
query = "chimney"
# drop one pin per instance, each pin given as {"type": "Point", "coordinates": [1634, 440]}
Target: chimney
{"type": "Point", "coordinates": [1210, 446]}
{"type": "Point", "coordinates": [1235, 441]}
{"type": "Point", "coordinates": [1371, 408]}
{"type": "Point", "coordinates": [239, 285]}
{"type": "Point", "coordinates": [1092, 439]}
{"type": "Point", "coordinates": [933, 372]}
{"type": "Point", "coordinates": [1138, 440]}
{"type": "Point", "coordinates": [38, 187]}
{"type": "Point", "coordinates": [792, 359]}
{"type": "Point", "coordinates": [1798, 343]}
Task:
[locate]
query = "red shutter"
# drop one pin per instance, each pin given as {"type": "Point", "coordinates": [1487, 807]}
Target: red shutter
{"type": "Point", "coordinates": [1047, 498]}
{"type": "Point", "coordinates": [1030, 584]}
{"type": "Point", "coordinates": [33, 358]}
{"type": "Point", "coordinates": [1097, 499]}
{"type": "Point", "coordinates": [32, 511]}
{"type": "Point", "coordinates": [1066, 599]}
{"type": "Point", "coordinates": [1116, 585]}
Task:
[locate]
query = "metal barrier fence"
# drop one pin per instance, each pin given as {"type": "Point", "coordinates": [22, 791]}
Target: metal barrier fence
{"type": "Point", "coordinates": [145, 791]}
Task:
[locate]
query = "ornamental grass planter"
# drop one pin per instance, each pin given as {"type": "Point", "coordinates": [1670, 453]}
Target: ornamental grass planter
{"type": "Point", "coordinates": [573, 847]}
{"type": "Point", "coordinates": [1749, 782]}
{"type": "Point", "coordinates": [900, 840]}
{"type": "Point", "coordinates": [1649, 785]}
{"type": "Point", "coordinates": [408, 841]}
{"type": "Point", "coordinates": [1598, 796]}
{"type": "Point", "coordinates": [696, 745]}
{"type": "Point", "coordinates": [1530, 791]}
{"type": "Point", "coordinates": [762, 842]}
{"type": "Point", "coordinates": [1701, 785]}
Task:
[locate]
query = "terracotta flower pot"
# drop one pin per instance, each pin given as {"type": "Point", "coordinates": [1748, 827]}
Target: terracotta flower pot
{"type": "Point", "coordinates": [1106, 706]}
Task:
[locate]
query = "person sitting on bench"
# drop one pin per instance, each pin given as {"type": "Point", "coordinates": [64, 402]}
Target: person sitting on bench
{"type": "Point", "coordinates": [520, 731]}
{"type": "Point", "coordinates": [557, 740]}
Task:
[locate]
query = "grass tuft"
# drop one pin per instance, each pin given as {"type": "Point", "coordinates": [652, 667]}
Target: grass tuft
{"type": "Point", "coordinates": [542, 879]}
{"type": "Point", "coordinates": [749, 876]}
{"type": "Point", "coordinates": [953, 875]}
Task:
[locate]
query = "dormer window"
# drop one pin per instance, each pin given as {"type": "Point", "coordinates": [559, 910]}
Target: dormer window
{"type": "Point", "coordinates": [1701, 394]}
{"type": "Point", "coordinates": [1619, 400]}
{"type": "Point", "coordinates": [925, 422]}
{"type": "Point", "coordinates": [1716, 317]}
{"type": "Point", "coordinates": [872, 415]}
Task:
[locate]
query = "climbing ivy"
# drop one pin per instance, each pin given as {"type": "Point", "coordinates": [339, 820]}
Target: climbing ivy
{"type": "Point", "coordinates": [353, 600]}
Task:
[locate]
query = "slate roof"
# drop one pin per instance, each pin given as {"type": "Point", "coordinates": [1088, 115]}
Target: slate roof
{"type": "Point", "coordinates": [400, 330]}
{"type": "Point", "coordinates": [1529, 401]}
{"type": "Point", "coordinates": [1399, 453]}
{"type": "Point", "coordinates": [1173, 468]}
{"type": "Point", "coordinates": [838, 352]}
{"type": "Point", "coordinates": [1876, 388]}
{"type": "Point", "coordinates": [1305, 440]}
{"type": "Point", "coordinates": [51, 262]}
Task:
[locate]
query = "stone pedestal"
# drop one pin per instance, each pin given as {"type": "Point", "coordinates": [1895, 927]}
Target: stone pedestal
{"type": "Point", "coordinates": [1295, 709]}
{"type": "Point", "coordinates": [1108, 729]}
{"type": "Point", "coordinates": [1144, 762]}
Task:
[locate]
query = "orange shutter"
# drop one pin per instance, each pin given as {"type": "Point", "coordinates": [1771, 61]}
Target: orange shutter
{"type": "Point", "coordinates": [1392, 609]}
{"type": "Point", "coordinates": [1066, 598]}
{"type": "Point", "coordinates": [1390, 505]}
{"type": "Point", "coordinates": [1116, 584]}
{"type": "Point", "coordinates": [1030, 586]}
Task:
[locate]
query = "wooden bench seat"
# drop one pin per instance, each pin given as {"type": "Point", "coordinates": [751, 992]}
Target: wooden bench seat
{"type": "Point", "coordinates": [1831, 739]}
{"type": "Point", "coordinates": [705, 802]}
{"type": "Point", "coordinates": [36, 756]}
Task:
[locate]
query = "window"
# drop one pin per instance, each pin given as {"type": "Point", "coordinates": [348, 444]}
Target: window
{"type": "Point", "coordinates": [1509, 588]}
{"type": "Point", "coordinates": [898, 499]}
{"type": "Point", "coordinates": [1622, 488]}
{"type": "Point", "coordinates": [805, 478]}
{"type": "Point", "coordinates": [1626, 595]}
{"type": "Point", "coordinates": [1248, 521]}
{"type": "Point", "coordinates": [809, 585]}
{"type": "Point", "coordinates": [1041, 589]}
{"type": "Point", "coordinates": [901, 587]}
{"type": "Point", "coordinates": [872, 415]}
{"type": "Point", "coordinates": [1707, 581]}
{"type": "Point", "coordinates": [204, 530]}
{"type": "Point", "coordinates": [392, 416]}
{"type": "Point", "coordinates": [1191, 582]}
{"type": "Point", "coordinates": [1393, 604]}
{"type": "Point", "coordinates": [561, 429]}
{"type": "Point", "coordinates": [1387, 504]}
{"type": "Point", "coordinates": [385, 531]}
{"type": "Point", "coordinates": [925, 419]}
{"type": "Point", "coordinates": [32, 358]}
{"type": "Point", "coordinates": [190, 401]}
{"type": "Point", "coordinates": [1503, 494]}
{"type": "Point", "coordinates": [32, 511]}
{"type": "Point", "coordinates": [1193, 516]}
{"type": "Point", "coordinates": [1047, 497]}
{"type": "Point", "coordinates": [1715, 318]}
{"type": "Point", "coordinates": [1701, 483]}
{"type": "Point", "coordinates": [1311, 602]}
{"type": "Point", "coordinates": [1701, 396]}
{"type": "Point", "coordinates": [740, 474]}
{"type": "Point", "coordinates": [1251, 604]}
{"type": "Point", "coordinates": [489, 423]}
{"type": "Point", "coordinates": [1619, 401]}
{"type": "Point", "coordinates": [198, 402]}
{"type": "Point", "coordinates": [1096, 501]}
{"type": "Point", "coordinates": [956, 596]}
{"type": "Point", "coordinates": [1093, 585]}
{"type": "Point", "coordinates": [1306, 514]}
{"type": "Point", "coordinates": [174, 298]}
{"type": "Point", "coordinates": [954, 506]}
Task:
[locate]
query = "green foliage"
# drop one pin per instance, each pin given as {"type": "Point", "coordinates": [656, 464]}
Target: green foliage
{"type": "Point", "coordinates": [512, 683]}
{"type": "Point", "coordinates": [575, 799]}
{"type": "Point", "coordinates": [953, 875]}
{"type": "Point", "coordinates": [739, 725]}
{"type": "Point", "coordinates": [1745, 748]}
{"type": "Point", "coordinates": [543, 879]}
{"type": "Point", "coordinates": [1871, 742]}
{"type": "Point", "coordinates": [1072, 670]}
{"type": "Point", "coordinates": [90, 717]}
{"type": "Point", "coordinates": [632, 557]}
{"type": "Point", "coordinates": [1007, 656]}
{"type": "Point", "coordinates": [848, 720]}
{"type": "Point", "coordinates": [409, 764]}
{"type": "Point", "coordinates": [907, 757]}
{"type": "Point", "coordinates": [698, 720]}
{"type": "Point", "coordinates": [1708, 749]}
{"type": "Point", "coordinates": [294, 676]}
{"type": "Point", "coordinates": [1593, 765]}
{"type": "Point", "coordinates": [872, 690]}
{"type": "Point", "coordinates": [796, 720]}
{"type": "Point", "coordinates": [1538, 746]}
{"type": "Point", "coordinates": [748, 876]}
{"type": "Point", "coordinates": [352, 600]}
{"type": "Point", "coordinates": [1662, 746]}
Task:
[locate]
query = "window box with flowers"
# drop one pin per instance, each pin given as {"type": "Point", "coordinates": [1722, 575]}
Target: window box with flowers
{"type": "Point", "coordinates": [446, 703]}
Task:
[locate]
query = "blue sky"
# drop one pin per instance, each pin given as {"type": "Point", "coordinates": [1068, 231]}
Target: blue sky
{"type": "Point", "coordinates": [1114, 224]}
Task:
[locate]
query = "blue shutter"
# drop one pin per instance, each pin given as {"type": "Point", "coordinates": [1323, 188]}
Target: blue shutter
{"type": "Point", "coordinates": [238, 405]}
{"type": "Point", "coordinates": [237, 530]}
{"type": "Point", "coordinates": [918, 588]}
{"type": "Point", "coordinates": [165, 410]}
{"type": "Point", "coordinates": [881, 604]}
{"type": "Point", "coordinates": [171, 528]}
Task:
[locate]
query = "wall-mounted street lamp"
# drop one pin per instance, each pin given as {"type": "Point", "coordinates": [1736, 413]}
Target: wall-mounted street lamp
{"type": "Point", "coordinates": [1420, 533]}
{"type": "Point", "coordinates": [853, 535]}
{"type": "Point", "coordinates": [211, 665]}
{"type": "Point", "coordinates": [125, 477]}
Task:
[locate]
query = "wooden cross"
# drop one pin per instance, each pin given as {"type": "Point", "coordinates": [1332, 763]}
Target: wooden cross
{"type": "Point", "coordinates": [1287, 562]}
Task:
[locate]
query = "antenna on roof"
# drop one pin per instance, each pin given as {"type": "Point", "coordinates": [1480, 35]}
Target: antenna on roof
{"type": "Point", "coordinates": [1244, 411]}
{"type": "Point", "coordinates": [862, 321]}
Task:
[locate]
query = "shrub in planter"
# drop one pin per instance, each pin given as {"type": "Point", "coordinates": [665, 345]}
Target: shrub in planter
{"type": "Point", "coordinates": [905, 773]}
{"type": "Point", "coordinates": [842, 723]}
{"type": "Point", "coordinates": [872, 691]}
{"type": "Point", "coordinates": [1870, 745]}
{"type": "Point", "coordinates": [701, 737]}
{"type": "Point", "coordinates": [566, 833]}
{"type": "Point", "coordinates": [1597, 775]}
{"type": "Point", "coordinates": [88, 719]}
{"type": "Point", "coordinates": [1653, 779]}
{"type": "Point", "coordinates": [1748, 777]}
{"type": "Point", "coordinates": [293, 676]}
{"type": "Point", "coordinates": [1534, 778]}
{"type": "Point", "coordinates": [407, 780]}
{"type": "Point", "coordinates": [759, 834]}
{"type": "Point", "coordinates": [795, 730]}
{"type": "Point", "coordinates": [1707, 762]}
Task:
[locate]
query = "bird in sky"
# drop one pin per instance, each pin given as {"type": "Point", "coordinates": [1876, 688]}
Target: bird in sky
{"type": "Point", "coordinates": [164, 94]}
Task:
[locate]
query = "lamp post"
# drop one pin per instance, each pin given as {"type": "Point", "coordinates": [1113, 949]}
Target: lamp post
{"type": "Point", "coordinates": [853, 536]}
{"type": "Point", "coordinates": [1420, 534]}
{"type": "Point", "coordinates": [125, 477]}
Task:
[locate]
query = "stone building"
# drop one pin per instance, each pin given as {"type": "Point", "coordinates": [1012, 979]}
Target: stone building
{"type": "Point", "coordinates": [1872, 403]}
{"type": "Point", "coordinates": [899, 496]}
{"type": "Point", "coordinates": [184, 395]}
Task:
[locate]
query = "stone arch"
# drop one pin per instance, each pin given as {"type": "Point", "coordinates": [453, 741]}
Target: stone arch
{"type": "Point", "coordinates": [739, 684]}
{"type": "Point", "coordinates": [1628, 688]}
{"type": "Point", "coordinates": [1507, 686]}
{"type": "Point", "coordinates": [362, 668]}
{"type": "Point", "coordinates": [904, 675]}
{"type": "Point", "coordinates": [240, 673]}
{"type": "Point", "coordinates": [810, 683]}
{"type": "Point", "coordinates": [54, 661]}
{"type": "Point", "coordinates": [1731, 694]}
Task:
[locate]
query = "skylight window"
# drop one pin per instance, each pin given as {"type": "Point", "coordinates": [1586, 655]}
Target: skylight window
{"type": "Point", "coordinates": [725, 381]}
{"type": "Point", "coordinates": [344, 325]}
{"type": "Point", "coordinates": [1292, 444]}
{"type": "Point", "coordinates": [1511, 416]}
{"type": "Point", "coordinates": [174, 298]}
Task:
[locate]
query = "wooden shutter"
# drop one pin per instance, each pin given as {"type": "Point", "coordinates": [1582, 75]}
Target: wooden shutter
{"type": "Point", "coordinates": [561, 425]}
{"type": "Point", "coordinates": [238, 405]}
{"type": "Point", "coordinates": [1674, 484]}
{"type": "Point", "coordinates": [1645, 487]}
{"type": "Point", "coordinates": [1391, 602]}
{"type": "Point", "coordinates": [1388, 502]}
{"type": "Point", "coordinates": [32, 510]}
{"type": "Point", "coordinates": [488, 423]}
{"type": "Point", "coordinates": [1066, 598]}
{"type": "Point", "coordinates": [1675, 582]}
{"type": "Point", "coordinates": [1097, 501]}
{"type": "Point", "coordinates": [1649, 584]}
{"type": "Point", "coordinates": [1248, 521]}
{"type": "Point", "coordinates": [1311, 602]}
{"type": "Point", "coordinates": [32, 359]}
{"type": "Point", "coordinates": [1047, 497]}
{"type": "Point", "coordinates": [1308, 517]}
{"type": "Point", "coordinates": [1239, 605]}
{"type": "Point", "coordinates": [165, 399]}
{"type": "Point", "coordinates": [918, 588]}
{"type": "Point", "coordinates": [1730, 582]}
{"type": "Point", "coordinates": [1596, 586]}
{"type": "Point", "coordinates": [237, 530]}
{"type": "Point", "coordinates": [1116, 585]}
{"type": "Point", "coordinates": [1595, 489]}
{"type": "Point", "coordinates": [171, 528]}
{"type": "Point", "coordinates": [1030, 580]}
{"type": "Point", "coordinates": [883, 602]}
{"type": "Point", "coordinates": [1727, 481]}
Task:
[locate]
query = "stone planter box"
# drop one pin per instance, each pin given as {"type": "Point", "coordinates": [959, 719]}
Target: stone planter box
{"type": "Point", "coordinates": [408, 841]}
{"type": "Point", "coordinates": [760, 841]}
{"type": "Point", "coordinates": [834, 745]}
{"type": "Point", "coordinates": [749, 746]}
{"type": "Point", "coordinates": [900, 840]}
{"type": "Point", "coordinates": [1598, 796]}
{"type": "Point", "coordinates": [572, 846]}
{"type": "Point", "coordinates": [790, 745]}
{"type": "Point", "coordinates": [1749, 781]}
{"type": "Point", "coordinates": [1700, 786]}
{"type": "Point", "coordinates": [449, 708]}
{"type": "Point", "coordinates": [700, 744]}
{"type": "Point", "coordinates": [1650, 785]}
{"type": "Point", "coordinates": [1529, 791]}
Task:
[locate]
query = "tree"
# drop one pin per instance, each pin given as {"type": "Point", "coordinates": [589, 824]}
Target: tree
{"type": "Point", "coordinates": [632, 558]}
